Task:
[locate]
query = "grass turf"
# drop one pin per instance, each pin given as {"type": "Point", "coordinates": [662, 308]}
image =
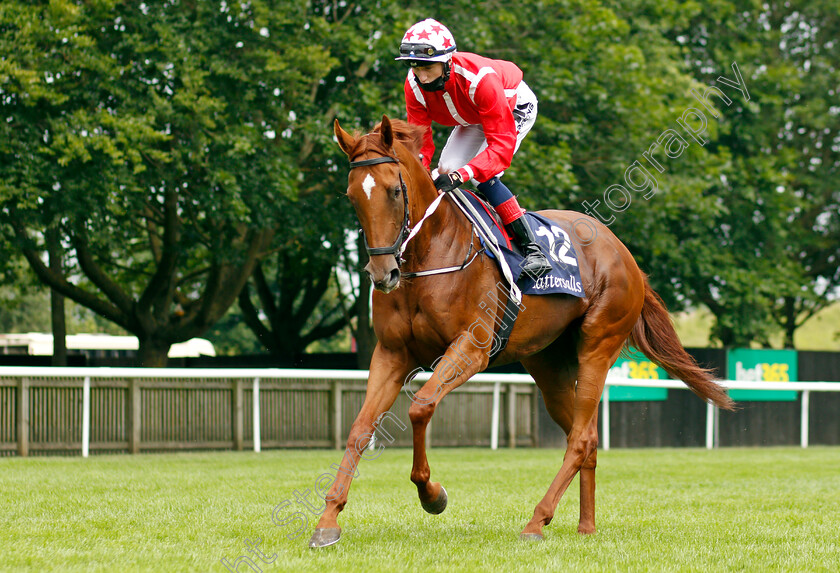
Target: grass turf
{"type": "Point", "coordinates": [773, 509]}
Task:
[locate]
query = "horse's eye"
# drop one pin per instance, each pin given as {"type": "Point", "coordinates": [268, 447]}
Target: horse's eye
{"type": "Point", "coordinates": [396, 192]}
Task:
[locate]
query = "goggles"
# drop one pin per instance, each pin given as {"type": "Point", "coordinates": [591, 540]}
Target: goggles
{"type": "Point", "coordinates": [408, 50]}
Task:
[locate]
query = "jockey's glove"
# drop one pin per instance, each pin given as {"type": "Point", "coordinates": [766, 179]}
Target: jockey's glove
{"type": "Point", "coordinates": [446, 182]}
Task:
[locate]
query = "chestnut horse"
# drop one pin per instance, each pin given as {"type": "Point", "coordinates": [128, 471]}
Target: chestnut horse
{"type": "Point", "coordinates": [566, 343]}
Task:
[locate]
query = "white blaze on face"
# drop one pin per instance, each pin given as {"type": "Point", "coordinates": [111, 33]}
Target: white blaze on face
{"type": "Point", "coordinates": [368, 184]}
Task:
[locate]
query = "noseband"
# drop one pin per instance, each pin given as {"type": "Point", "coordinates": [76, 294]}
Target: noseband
{"type": "Point", "coordinates": [395, 248]}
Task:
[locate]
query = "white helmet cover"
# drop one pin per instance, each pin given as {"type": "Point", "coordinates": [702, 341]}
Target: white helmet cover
{"type": "Point", "coordinates": [429, 41]}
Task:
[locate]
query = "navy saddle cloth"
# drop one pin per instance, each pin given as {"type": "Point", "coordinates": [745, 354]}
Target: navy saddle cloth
{"type": "Point", "coordinates": [555, 245]}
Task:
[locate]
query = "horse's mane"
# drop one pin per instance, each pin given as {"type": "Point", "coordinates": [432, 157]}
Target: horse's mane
{"type": "Point", "coordinates": [409, 135]}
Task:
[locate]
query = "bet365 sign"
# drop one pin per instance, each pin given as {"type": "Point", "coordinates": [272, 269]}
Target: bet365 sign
{"type": "Point", "coordinates": [750, 365]}
{"type": "Point", "coordinates": [637, 366]}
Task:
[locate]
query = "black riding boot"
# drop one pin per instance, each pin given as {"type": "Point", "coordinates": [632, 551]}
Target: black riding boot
{"type": "Point", "coordinates": [535, 264]}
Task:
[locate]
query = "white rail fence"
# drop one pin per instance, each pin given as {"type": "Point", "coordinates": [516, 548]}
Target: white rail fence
{"type": "Point", "coordinates": [496, 379]}
{"type": "Point", "coordinates": [711, 411]}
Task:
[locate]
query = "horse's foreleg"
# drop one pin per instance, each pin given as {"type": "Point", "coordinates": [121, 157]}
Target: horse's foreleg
{"type": "Point", "coordinates": [453, 369]}
{"type": "Point", "coordinates": [384, 384]}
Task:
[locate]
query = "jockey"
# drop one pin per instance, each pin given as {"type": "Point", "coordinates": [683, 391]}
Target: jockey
{"type": "Point", "coordinates": [492, 110]}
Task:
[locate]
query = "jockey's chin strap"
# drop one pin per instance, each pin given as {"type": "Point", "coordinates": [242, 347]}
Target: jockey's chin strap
{"type": "Point", "coordinates": [407, 233]}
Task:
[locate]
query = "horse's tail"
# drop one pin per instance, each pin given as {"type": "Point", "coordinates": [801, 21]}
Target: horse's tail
{"type": "Point", "coordinates": [654, 335]}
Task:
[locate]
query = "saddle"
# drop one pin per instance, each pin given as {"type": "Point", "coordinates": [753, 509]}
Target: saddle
{"type": "Point", "coordinates": [495, 218]}
{"type": "Point", "coordinates": [564, 277]}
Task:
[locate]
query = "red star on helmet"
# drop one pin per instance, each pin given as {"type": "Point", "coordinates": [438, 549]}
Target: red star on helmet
{"type": "Point", "coordinates": [437, 29]}
{"type": "Point", "coordinates": [424, 35]}
{"type": "Point", "coordinates": [447, 43]}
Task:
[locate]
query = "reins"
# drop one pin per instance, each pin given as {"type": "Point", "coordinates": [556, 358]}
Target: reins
{"type": "Point", "coordinates": [407, 233]}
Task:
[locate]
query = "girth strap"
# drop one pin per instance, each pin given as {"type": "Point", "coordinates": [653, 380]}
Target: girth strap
{"type": "Point", "coordinates": [509, 317]}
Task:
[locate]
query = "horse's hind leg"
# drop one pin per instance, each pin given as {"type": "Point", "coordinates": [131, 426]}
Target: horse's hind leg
{"type": "Point", "coordinates": [586, 525]}
{"type": "Point", "coordinates": [595, 358]}
{"type": "Point", "coordinates": [555, 371]}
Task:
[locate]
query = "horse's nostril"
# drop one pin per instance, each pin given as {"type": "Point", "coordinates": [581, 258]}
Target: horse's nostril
{"type": "Point", "coordinates": [394, 276]}
{"type": "Point", "coordinates": [368, 272]}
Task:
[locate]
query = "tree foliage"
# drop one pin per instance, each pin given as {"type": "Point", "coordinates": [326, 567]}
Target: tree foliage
{"type": "Point", "coordinates": [152, 145]}
{"type": "Point", "coordinates": [769, 257]}
{"type": "Point", "coordinates": [171, 146]}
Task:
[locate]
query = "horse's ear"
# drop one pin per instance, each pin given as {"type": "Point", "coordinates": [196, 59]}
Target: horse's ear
{"type": "Point", "coordinates": [345, 140]}
{"type": "Point", "coordinates": [387, 132]}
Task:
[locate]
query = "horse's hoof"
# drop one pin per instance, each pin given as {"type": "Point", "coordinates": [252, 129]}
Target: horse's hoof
{"type": "Point", "coordinates": [324, 537]}
{"type": "Point", "coordinates": [438, 505]}
{"type": "Point", "coordinates": [531, 537]}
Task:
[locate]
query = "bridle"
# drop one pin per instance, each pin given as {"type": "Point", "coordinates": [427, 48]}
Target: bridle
{"type": "Point", "coordinates": [406, 233]}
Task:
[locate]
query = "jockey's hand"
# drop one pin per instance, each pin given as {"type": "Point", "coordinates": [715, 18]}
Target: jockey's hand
{"type": "Point", "coordinates": [446, 182]}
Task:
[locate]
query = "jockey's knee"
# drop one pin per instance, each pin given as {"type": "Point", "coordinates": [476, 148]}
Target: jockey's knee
{"type": "Point", "coordinates": [495, 191]}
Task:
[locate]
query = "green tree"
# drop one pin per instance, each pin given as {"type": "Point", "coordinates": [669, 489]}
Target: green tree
{"type": "Point", "coordinates": [150, 137]}
{"type": "Point", "coordinates": [169, 146]}
{"type": "Point", "coordinates": [609, 81]}
{"type": "Point", "coordinates": [290, 298]}
{"type": "Point", "coordinates": [772, 261]}
{"type": "Point", "coordinates": [727, 226]}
